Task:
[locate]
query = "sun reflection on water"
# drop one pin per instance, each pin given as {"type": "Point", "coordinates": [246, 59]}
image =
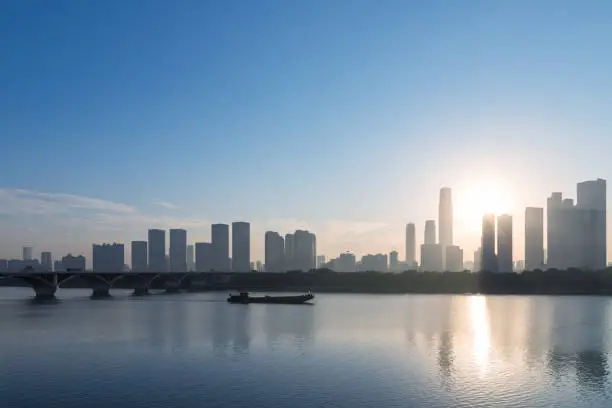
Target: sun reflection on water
{"type": "Point", "coordinates": [481, 331]}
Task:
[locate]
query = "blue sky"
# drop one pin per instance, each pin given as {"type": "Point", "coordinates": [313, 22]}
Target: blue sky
{"type": "Point", "coordinates": [342, 116]}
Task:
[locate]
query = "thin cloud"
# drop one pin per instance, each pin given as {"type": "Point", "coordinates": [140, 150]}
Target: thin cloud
{"type": "Point", "coordinates": [167, 205]}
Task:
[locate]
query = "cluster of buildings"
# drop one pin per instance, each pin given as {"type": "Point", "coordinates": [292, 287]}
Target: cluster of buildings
{"type": "Point", "coordinates": [575, 235]}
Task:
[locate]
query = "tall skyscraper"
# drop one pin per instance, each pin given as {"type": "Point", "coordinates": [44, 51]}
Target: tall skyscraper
{"type": "Point", "coordinates": [27, 253]}
{"type": "Point", "coordinates": [591, 200]}
{"type": "Point", "coordinates": [410, 245]}
{"type": "Point", "coordinates": [274, 252]}
{"type": "Point", "coordinates": [305, 252]}
{"type": "Point", "coordinates": [108, 258]}
{"type": "Point", "coordinates": [178, 250]}
{"type": "Point", "coordinates": [289, 252]}
{"type": "Point", "coordinates": [430, 232]}
{"type": "Point", "coordinates": [220, 247]}
{"type": "Point", "coordinates": [504, 243]}
{"type": "Point", "coordinates": [139, 256]}
{"type": "Point", "coordinates": [454, 258]}
{"type": "Point", "coordinates": [534, 238]}
{"type": "Point", "coordinates": [157, 251]}
{"type": "Point", "coordinates": [46, 262]}
{"type": "Point", "coordinates": [241, 247]}
{"type": "Point", "coordinates": [394, 261]}
{"type": "Point", "coordinates": [431, 258]}
{"type": "Point", "coordinates": [190, 258]}
{"type": "Point", "coordinates": [203, 257]}
{"type": "Point", "coordinates": [489, 259]}
{"type": "Point", "coordinates": [445, 218]}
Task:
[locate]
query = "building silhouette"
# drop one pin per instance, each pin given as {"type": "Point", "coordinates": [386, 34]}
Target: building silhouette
{"type": "Point", "coordinates": [432, 258]}
{"type": "Point", "coordinates": [430, 232]}
{"type": "Point", "coordinates": [454, 258]}
{"type": "Point", "coordinates": [203, 257]}
{"type": "Point", "coordinates": [373, 262]}
{"type": "Point", "coordinates": [591, 201]}
{"type": "Point", "coordinates": [289, 252]}
{"type": "Point", "coordinates": [394, 261]}
{"type": "Point", "coordinates": [241, 247]}
{"type": "Point", "coordinates": [320, 261]}
{"type": "Point", "coordinates": [108, 257]}
{"type": "Point", "coordinates": [445, 221]}
{"type": "Point", "coordinates": [488, 258]}
{"type": "Point", "coordinates": [274, 248]}
{"type": "Point", "coordinates": [27, 253]}
{"type": "Point", "coordinates": [305, 252]}
{"type": "Point", "coordinates": [157, 250]}
{"type": "Point", "coordinates": [190, 258]}
{"type": "Point", "coordinates": [346, 262]}
{"type": "Point", "coordinates": [410, 244]}
{"type": "Point", "coordinates": [46, 263]}
{"type": "Point", "coordinates": [534, 238]}
{"type": "Point", "coordinates": [139, 256]}
{"type": "Point", "coordinates": [504, 243]}
{"type": "Point", "coordinates": [178, 250]}
{"type": "Point", "coordinates": [220, 247]}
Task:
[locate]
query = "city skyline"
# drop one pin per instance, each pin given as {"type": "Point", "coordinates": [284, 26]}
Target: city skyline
{"type": "Point", "coordinates": [347, 123]}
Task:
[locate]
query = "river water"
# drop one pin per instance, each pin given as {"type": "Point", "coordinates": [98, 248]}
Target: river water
{"type": "Point", "coordinates": [196, 350]}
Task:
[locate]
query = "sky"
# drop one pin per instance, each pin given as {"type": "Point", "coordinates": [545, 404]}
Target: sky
{"type": "Point", "coordinates": [344, 117]}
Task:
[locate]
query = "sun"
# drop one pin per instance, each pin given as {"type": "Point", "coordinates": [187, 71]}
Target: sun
{"type": "Point", "coordinates": [477, 199]}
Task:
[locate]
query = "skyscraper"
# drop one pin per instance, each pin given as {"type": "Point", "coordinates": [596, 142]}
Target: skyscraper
{"type": "Point", "coordinates": [139, 256]}
{"type": "Point", "coordinates": [489, 260]}
{"type": "Point", "coordinates": [289, 252]}
{"type": "Point", "coordinates": [241, 247]}
{"type": "Point", "coordinates": [431, 258]}
{"type": "Point", "coordinates": [178, 250]}
{"type": "Point", "coordinates": [504, 243]}
{"type": "Point", "coordinates": [430, 232]}
{"type": "Point", "coordinates": [410, 245]}
{"type": "Point", "coordinates": [190, 258]}
{"type": "Point", "coordinates": [445, 218]}
{"type": "Point", "coordinates": [157, 250]}
{"type": "Point", "coordinates": [203, 257]}
{"type": "Point", "coordinates": [108, 257]}
{"type": "Point", "coordinates": [454, 258]}
{"type": "Point", "coordinates": [27, 253]}
{"type": "Point", "coordinates": [46, 262]}
{"type": "Point", "coordinates": [591, 200]}
{"type": "Point", "coordinates": [305, 252]}
{"type": "Point", "coordinates": [534, 238]}
{"type": "Point", "coordinates": [393, 261]}
{"type": "Point", "coordinates": [274, 252]}
{"type": "Point", "coordinates": [220, 247]}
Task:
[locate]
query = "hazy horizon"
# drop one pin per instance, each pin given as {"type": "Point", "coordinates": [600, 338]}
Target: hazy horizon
{"type": "Point", "coordinates": [344, 118]}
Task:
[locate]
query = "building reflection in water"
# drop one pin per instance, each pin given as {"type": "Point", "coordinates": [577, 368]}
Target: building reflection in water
{"type": "Point", "coordinates": [293, 322]}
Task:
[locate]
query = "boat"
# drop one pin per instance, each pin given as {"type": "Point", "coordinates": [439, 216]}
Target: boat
{"type": "Point", "coordinates": [245, 298]}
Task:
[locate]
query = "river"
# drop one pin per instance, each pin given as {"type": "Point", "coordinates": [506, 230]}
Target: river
{"type": "Point", "coordinates": [196, 350]}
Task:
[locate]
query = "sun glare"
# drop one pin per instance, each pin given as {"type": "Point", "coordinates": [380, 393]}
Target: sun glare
{"type": "Point", "coordinates": [476, 200]}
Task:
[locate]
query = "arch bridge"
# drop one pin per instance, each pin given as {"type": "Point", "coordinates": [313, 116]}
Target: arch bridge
{"type": "Point", "coordinates": [46, 284]}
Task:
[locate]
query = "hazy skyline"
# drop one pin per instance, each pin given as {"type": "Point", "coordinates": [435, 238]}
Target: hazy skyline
{"type": "Point", "coordinates": [343, 117]}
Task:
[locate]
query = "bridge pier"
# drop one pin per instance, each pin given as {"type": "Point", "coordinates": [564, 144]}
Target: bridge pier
{"type": "Point", "coordinates": [144, 291]}
{"type": "Point", "coordinates": [100, 293]}
{"type": "Point", "coordinates": [45, 292]}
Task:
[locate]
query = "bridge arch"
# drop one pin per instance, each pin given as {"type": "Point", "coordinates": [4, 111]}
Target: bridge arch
{"type": "Point", "coordinates": [83, 275]}
{"type": "Point", "coordinates": [127, 275]}
{"type": "Point", "coordinates": [150, 281]}
{"type": "Point", "coordinates": [30, 279]}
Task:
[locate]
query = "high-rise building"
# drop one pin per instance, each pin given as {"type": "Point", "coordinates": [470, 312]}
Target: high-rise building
{"type": "Point", "coordinates": [430, 232]}
{"type": "Point", "coordinates": [346, 262]}
{"type": "Point", "coordinates": [504, 243]}
{"type": "Point", "coordinates": [72, 263]}
{"type": "Point", "coordinates": [108, 257]}
{"type": "Point", "coordinates": [431, 258]}
{"type": "Point", "coordinates": [4, 265]}
{"type": "Point", "coordinates": [203, 257]}
{"type": "Point", "coordinates": [320, 261]}
{"type": "Point", "coordinates": [190, 258]}
{"type": "Point", "coordinates": [274, 252]}
{"type": "Point", "coordinates": [259, 267]}
{"type": "Point", "coordinates": [305, 252]}
{"type": "Point", "coordinates": [27, 253]}
{"type": "Point", "coordinates": [241, 247]}
{"type": "Point", "coordinates": [220, 247]}
{"type": "Point", "coordinates": [375, 263]}
{"type": "Point", "coordinates": [454, 258]}
{"type": "Point", "coordinates": [289, 252]}
{"type": "Point", "coordinates": [394, 261]}
{"type": "Point", "coordinates": [445, 221]}
{"type": "Point", "coordinates": [591, 200]}
{"type": "Point", "coordinates": [410, 244]}
{"type": "Point", "coordinates": [139, 256]}
{"type": "Point", "coordinates": [46, 262]}
{"type": "Point", "coordinates": [178, 250]}
{"type": "Point", "coordinates": [488, 258]}
{"type": "Point", "coordinates": [477, 260]}
{"type": "Point", "coordinates": [534, 238]}
{"type": "Point", "coordinates": [157, 251]}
